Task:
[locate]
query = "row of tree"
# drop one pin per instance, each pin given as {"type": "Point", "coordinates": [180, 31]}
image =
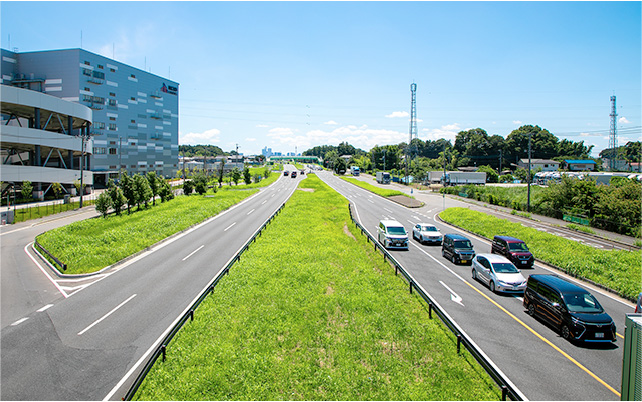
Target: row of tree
{"type": "Point", "coordinates": [133, 191]}
{"type": "Point", "coordinates": [471, 148]}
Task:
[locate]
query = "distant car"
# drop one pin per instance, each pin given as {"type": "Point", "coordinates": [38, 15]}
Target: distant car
{"type": "Point", "coordinates": [425, 232]}
{"type": "Point", "coordinates": [457, 248]}
{"type": "Point", "coordinates": [293, 175]}
{"type": "Point", "coordinates": [392, 234]}
{"type": "Point", "coordinates": [286, 173]}
{"type": "Point", "coordinates": [570, 309]}
{"type": "Point", "coordinates": [514, 249]}
{"type": "Point", "coordinates": [498, 273]}
{"type": "Point", "coordinates": [638, 307]}
{"type": "Point", "coordinates": [302, 172]}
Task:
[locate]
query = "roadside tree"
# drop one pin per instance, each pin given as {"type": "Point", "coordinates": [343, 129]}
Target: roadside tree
{"type": "Point", "coordinates": [103, 203]}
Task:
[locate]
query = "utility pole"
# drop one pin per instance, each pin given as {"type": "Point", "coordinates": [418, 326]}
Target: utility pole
{"type": "Point", "coordinates": [413, 125]}
{"type": "Point", "coordinates": [528, 204]}
{"type": "Point", "coordinates": [613, 135]}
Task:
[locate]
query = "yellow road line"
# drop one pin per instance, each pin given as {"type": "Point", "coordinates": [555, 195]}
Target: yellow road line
{"type": "Point", "coordinates": [578, 364]}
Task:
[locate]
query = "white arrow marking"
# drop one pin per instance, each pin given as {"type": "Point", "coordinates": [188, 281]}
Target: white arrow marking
{"type": "Point", "coordinates": [453, 296]}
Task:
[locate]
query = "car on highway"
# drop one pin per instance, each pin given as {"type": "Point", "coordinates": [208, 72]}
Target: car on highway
{"type": "Point", "coordinates": [498, 273]}
{"type": "Point", "coordinates": [392, 234]}
{"type": "Point", "coordinates": [514, 249]}
{"type": "Point", "coordinates": [293, 175]}
{"type": "Point", "coordinates": [285, 173]}
{"type": "Point", "coordinates": [425, 232]}
{"type": "Point", "coordinates": [569, 308]}
{"type": "Point", "coordinates": [457, 248]}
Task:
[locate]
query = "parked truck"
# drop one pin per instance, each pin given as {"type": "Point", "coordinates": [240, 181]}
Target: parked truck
{"type": "Point", "coordinates": [383, 177]}
{"type": "Point", "coordinates": [355, 170]}
{"type": "Point", "coordinates": [460, 178]}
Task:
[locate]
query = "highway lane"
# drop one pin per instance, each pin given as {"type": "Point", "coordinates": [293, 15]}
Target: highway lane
{"type": "Point", "coordinates": [542, 364]}
{"type": "Point", "coordinates": [80, 347]}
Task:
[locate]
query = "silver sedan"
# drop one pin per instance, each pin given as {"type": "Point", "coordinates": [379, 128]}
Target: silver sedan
{"type": "Point", "coordinates": [498, 273]}
{"type": "Point", "coordinates": [425, 232]}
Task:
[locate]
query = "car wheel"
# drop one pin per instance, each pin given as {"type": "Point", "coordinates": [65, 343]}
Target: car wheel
{"type": "Point", "coordinates": [492, 286]}
{"type": "Point", "coordinates": [531, 309]}
{"type": "Point", "coordinates": [566, 332]}
{"type": "Point", "coordinates": [453, 259]}
{"type": "Point", "coordinates": [443, 253]}
{"type": "Point", "coordinates": [474, 274]}
{"type": "Point", "coordinates": [422, 240]}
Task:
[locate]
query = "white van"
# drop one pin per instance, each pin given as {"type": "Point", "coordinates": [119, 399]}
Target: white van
{"type": "Point", "coordinates": [392, 234]}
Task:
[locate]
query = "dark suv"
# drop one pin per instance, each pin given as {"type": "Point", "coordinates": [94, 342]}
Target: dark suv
{"type": "Point", "coordinates": [457, 249]}
{"type": "Point", "coordinates": [513, 249]}
{"type": "Point", "coordinates": [570, 309]}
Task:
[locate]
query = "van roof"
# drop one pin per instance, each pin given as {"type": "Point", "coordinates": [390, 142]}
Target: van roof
{"type": "Point", "coordinates": [390, 223]}
{"type": "Point", "coordinates": [509, 239]}
{"type": "Point", "coordinates": [558, 283]}
{"type": "Point", "coordinates": [456, 236]}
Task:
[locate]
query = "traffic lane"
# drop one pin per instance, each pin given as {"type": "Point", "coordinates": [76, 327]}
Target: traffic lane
{"type": "Point", "coordinates": [106, 325]}
{"type": "Point", "coordinates": [518, 306]}
{"type": "Point", "coordinates": [516, 309]}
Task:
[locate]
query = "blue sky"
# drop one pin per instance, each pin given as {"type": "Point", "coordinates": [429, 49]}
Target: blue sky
{"type": "Point", "coordinates": [292, 75]}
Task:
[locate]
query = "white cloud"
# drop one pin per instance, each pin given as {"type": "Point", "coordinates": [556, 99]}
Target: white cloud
{"type": "Point", "coordinates": [517, 122]}
{"type": "Point", "coordinates": [447, 132]}
{"type": "Point", "coordinates": [208, 137]}
{"type": "Point", "coordinates": [623, 120]}
{"type": "Point", "coordinates": [250, 139]}
{"type": "Point", "coordinates": [331, 123]}
{"type": "Point", "coordinates": [262, 125]}
{"type": "Point", "coordinates": [397, 114]}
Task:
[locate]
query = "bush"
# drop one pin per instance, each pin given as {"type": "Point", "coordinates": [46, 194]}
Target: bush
{"type": "Point", "coordinates": [188, 187]}
{"type": "Point", "coordinates": [103, 203]}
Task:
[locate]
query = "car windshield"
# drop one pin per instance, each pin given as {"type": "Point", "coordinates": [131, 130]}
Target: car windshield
{"type": "Point", "coordinates": [504, 268]}
{"type": "Point", "coordinates": [517, 247]}
{"type": "Point", "coordinates": [463, 244]}
{"type": "Point", "coordinates": [429, 229]}
{"type": "Point", "coordinates": [582, 303]}
{"type": "Point", "coordinates": [396, 230]}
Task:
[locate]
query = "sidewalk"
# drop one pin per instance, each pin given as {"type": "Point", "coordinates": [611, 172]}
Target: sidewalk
{"type": "Point", "coordinates": [422, 195]}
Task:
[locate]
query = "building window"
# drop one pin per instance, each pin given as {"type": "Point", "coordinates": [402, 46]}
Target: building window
{"type": "Point", "coordinates": [87, 89]}
{"type": "Point", "coordinates": [86, 72]}
{"type": "Point", "coordinates": [133, 144]}
{"type": "Point", "coordinates": [99, 150]}
{"type": "Point", "coordinates": [112, 70]}
{"type": "Point", "coordinates": [133, 121]}
{"type": "Point", "coordinates": [99, 75]}
{"type": "Point", "coordinates": [112, 151]}
{"type": "Point", "coordinates": [133, 75]}
{"type": "Point", "coordinates": [112, 102]}
{"type": "Point", "coordinates": [132, 98]}
{"type": "Point", "coordinates": [87, 63]}
{"type": "Point", "coordinates": [100, 67]}
{"type": "Point", "coordinates": [112, 166]}
{"type": "Point", "coordinates": [112, 126]}
{"type": "Point", "coordinates": [99, 125]}
{"type": "Point", "coordinates": [112, 94]}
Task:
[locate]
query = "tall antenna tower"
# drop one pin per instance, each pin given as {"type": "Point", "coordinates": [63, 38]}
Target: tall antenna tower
{"type": "Point", "coordinates": [613, 134]}
{"type": "Point", "coordinates": [413, 124]}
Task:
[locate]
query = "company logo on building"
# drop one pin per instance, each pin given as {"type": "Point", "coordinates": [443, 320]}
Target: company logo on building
{"type": "Point", "coordinates": [169, 89]}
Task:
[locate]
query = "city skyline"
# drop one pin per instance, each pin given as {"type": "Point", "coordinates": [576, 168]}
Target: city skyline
{"type": "Point", "coordinates": [300, 74]}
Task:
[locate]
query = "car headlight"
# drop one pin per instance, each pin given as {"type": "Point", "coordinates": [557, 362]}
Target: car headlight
{"type": "Point", "coordinates": [577, 322]}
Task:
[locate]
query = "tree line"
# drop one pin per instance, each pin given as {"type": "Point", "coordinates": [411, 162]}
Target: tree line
{"type": "Point", "coordinates": [133, 191]}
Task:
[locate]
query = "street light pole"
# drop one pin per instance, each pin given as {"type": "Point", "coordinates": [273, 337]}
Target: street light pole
{"type": "Point", "coordinates": [528, 202]}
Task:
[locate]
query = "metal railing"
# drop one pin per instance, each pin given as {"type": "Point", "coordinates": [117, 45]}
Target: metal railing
{"type": "Point", "coordinates": [507, 387]}
{"type": "Point", "coordinates": [44, 250]}
{"type": "Point", "coordinates": [161, 349]}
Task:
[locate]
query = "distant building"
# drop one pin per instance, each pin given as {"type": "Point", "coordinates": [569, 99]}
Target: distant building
{"type": "Point", "coordinates": [619, 165]}
{"type": "Point", "coordinates": [636, 167]}
{"type": "Point", "coordinates": [580, 165]}
{"type": "Point", "coordinates": [546, 165]}
{"type": "Point", "coordinates": [267, 152]}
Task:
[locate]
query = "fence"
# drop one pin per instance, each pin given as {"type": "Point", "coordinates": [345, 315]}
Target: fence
{"type": "Point", "coordinates": [24, 213]}
{"type": "Point", "coordinates": [507, 387]}
{"type": "Point", "coordinates": [161, 349]}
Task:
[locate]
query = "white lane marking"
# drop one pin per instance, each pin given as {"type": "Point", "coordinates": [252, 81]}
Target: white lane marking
{"type": "Point", "coordinates": [415, 217]}
{"type": "Point", "coordinates": [370, 201]}
{"type": "Point", "coordinates": [225, 230]}
{"type": "Point", "coordinates": [273, 195]}
{"type": "Point", "coordinates": [250, 212]}
{"type": "Point", "coordinates": [453, 296]}
{"type": "Point", "coordinates": [64, 294]}
{"type": "Point", "coordinates": [263, 202]}
{"type": "Point", "coordinates": [387, 209]}
{"type": "Point", "coordinates": [44, 308]}
{"type": "Point", "coordinates": [20, 321]}
{"type": "Point", "coordinates": [412, 223]}
{"type": "Point", "coordinates": [193, 252]}
{"type": "Point", "coordinates": [106, 315]}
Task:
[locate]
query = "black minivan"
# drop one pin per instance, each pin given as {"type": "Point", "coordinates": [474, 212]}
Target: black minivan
{"type": "Point", "coordinates": [569, 308]}
{"type": "Point", "coordinates": [457, 248]}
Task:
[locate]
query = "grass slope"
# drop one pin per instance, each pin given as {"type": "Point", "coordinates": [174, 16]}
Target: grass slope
{"type": "Point", "coordinates": [617, 270]}
{"type": "Point", "coordinates": [90, 245]}
{"type": "Point", "coordinates": [311, 312]}
{"type": "Point", "coordinates": [377, 190]}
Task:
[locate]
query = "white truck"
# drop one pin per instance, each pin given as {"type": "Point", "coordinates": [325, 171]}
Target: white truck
{"type": "Point", "coordinates": [355, 170]}
{"type": "Point", "coordinates": [383, 177]}
{"type": "Point", "coordinates": [461, 178]}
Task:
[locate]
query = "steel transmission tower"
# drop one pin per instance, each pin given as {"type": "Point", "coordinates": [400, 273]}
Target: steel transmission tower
{"type": "Point", "coordinates": [613, 134]}
{"type": "Point", "coordinates": [413, 124]}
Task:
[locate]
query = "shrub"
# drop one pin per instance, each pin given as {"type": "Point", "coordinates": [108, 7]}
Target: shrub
{"type": "Point", "coordinates": [103, 203]}
{"type": "Point", "coordinates": [188, 187]}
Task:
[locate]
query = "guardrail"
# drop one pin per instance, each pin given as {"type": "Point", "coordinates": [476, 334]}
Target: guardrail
{"type": "Point", "coordinates": [507, 387]}
{"type": "Point", "coordinates": [161, 349]}
{"type": "Point", "coordinates": [44, 250]}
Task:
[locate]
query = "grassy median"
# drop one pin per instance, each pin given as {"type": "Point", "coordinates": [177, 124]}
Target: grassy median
{"type": "Point", "coordinates": [616, 269]}
{"type": "Point", "coordinates": [384, 192]}
{"type": "Point", "coordinates": [90, 245]}
{"type": "Point", "coordinates": [311, 312]}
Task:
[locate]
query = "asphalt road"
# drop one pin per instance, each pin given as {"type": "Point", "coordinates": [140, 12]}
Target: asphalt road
{"type": "Point", "coordinates": [81, 345]}
{"type": "Point", "coordinates": [534, 357]}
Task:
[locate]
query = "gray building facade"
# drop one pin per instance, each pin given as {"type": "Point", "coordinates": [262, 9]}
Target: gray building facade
{"type": "Point", "coordinates": [135, 113]}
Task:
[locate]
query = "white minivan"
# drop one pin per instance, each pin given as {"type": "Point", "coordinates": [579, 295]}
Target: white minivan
{"type": "Point", "coordinates": [392, 234]}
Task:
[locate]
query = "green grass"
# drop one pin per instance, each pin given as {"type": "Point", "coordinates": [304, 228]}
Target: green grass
{"type": "Point", "coordinates": [580, 228]}
{"type": "Point", "coordinates": [263, 183]}
{"type": "Point", "coordinates": [311, 312]}
{"type": "Point", "coordinates": [615, 269]}
{"type": "Point", "coordinates": [35, 212]}
{"type": "Point", "coordinates": [90, 245]}
{"type": "Point", "coordinates": [377, 190]}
